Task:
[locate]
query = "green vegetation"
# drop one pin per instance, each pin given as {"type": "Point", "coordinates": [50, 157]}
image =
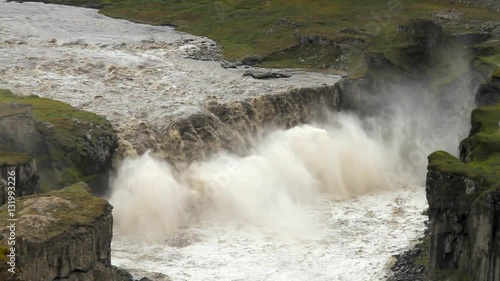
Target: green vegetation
{"type": "Point", "coordinates": [13, 158]}
{"type": "Point", "coordinates": [87, 208]}
{"type": "Point", "coordinates": [488, 57]}
{"type": "Point", "coordinates": [450, 275]}
{"type": "Point", "coordinates": [272, 29]}
{"type": "Point", "coordinates": [4, 251]}
{"type": "Point", "coordinates": [483, 151]}
{"type": "Point", "coordinates": [59, 114]}
{"type": "Point", "coordinates": [443, 161]}
{"type": "Point", "coordinates": [423, 257]}
{"type": "Point", "coordinates": [63, 155]}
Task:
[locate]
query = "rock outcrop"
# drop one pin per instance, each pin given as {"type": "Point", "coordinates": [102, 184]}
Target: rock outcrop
{"type": "Point", "coordinates": [26, 181]}
{"type": "Point", "coordinates": [62, 235]}
{"type": "Point", "coordinates": [424, 33]}
{"type": "Point", "coordinates": [489, 92]}
{"type": "Point", "coordinates": [464, 204]}
{"type": "Point", "coordinates": [69, 145]}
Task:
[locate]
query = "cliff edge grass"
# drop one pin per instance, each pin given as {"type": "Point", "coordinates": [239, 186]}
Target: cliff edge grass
{"type": "Point", "coordinates": [14, 158]}
{"type": "Point", "coordinates": [480, 152]}
{"type": "Point", "coordinates": [68, 144]}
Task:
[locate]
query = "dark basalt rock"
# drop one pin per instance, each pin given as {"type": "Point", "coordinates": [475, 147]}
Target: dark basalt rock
{"type": "Point", "coordinates": [252, 59]}
{"type": "Point", "coordinates": [424, 33]}
{"type": "Point", "coordinates": [27, 181]}
{"type": "Point", "coordinates": [489, 92]}
{"type": "Point", "coordinates": [266, 74]}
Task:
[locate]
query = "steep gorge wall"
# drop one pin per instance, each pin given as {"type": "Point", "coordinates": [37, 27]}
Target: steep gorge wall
{"type": "Point", "coordinates": [464, 203]}
{"type": "Point", "coordinates": [62, 235]}
{"type": "Point", "coordinates": [464, 232]}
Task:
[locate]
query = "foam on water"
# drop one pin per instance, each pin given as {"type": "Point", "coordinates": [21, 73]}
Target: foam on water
{"type": "Point", "coordinates": [351, 240]}
{"type": "Point", "coordinates": [307, 204]}
{"type": "Point", "coordinates": [333, 201]}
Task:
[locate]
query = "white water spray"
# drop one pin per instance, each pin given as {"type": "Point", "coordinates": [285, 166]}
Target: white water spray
{"type": "Point", "coordinates": [288, 170]}
{"type": "Point", "coordinates": [343, 189]}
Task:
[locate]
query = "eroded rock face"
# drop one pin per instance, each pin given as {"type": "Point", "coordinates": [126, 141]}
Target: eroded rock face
{"type": "Point", "coordinates": [65, 151]}
{"type": "Point", "coordinates": [424, 33]}
{"type": "Point", "coordinates": [464, 204]}
{"type": "Point", "coordinates": [488, 92]}
{"type": "Point", "coordinates": [65, 235]}
{"type": "Point", "coordinates": [27, 181]}
{"type": "Point", "coordinates": [464, 225]}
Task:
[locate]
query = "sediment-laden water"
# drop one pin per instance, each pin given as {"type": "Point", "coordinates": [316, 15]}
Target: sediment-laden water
{"type": "Point", "coordinates": [326, 201]}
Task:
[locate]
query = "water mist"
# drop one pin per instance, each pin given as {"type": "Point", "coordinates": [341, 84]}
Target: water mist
{"type": "Point", "coordinates": [289, 169]}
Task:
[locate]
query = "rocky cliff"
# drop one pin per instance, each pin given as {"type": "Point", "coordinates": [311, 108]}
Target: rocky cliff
{"type": "Point", "coordinates": [23, 165]}
{"type": "Point", "coordinates": [60, 235]}
{"type": "Point", "coordinates": [464, 204]}
{"type": "Point", "coordinates": [69, 145]}
{"type": "Point", "coordinates": [489, 92]}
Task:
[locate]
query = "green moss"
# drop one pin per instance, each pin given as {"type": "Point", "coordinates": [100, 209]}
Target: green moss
{"type": "Point", "coordinates": [484, 144]}
{"type": "Point", "coordinates": [59, 114]}
{"type": "Point", "coordinates": [443, 161]}
{"type": "Point", "coordinates": [13, 158]}
{"type": "Point", "coordinates": [423, 258]}
{"type": "Point", "coordinates": [483, 152]}
{"type": "Point", "coordinates": [450, 275]}
{"type": "Point", "coordinates": [79, 187]}
{"type": "Point", "coordinates": [12, 109]}
{"type": "Point", "coordinates": [487, 119]}
{"type": "Point", "coordinates": [488, 57]}
{"type": "Point", "coordinates": [4, 251]}
{"type": "Point", "coordinates": [87, 208]}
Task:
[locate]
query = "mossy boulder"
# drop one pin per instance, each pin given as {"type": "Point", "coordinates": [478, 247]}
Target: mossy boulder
{"type": "Point", "coordinates": [489, 92]}
{"type": "Point", "coordinates": [69, 145]}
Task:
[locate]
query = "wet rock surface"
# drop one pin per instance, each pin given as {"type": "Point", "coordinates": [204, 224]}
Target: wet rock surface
{"type": "Point", "coordinates": [489, 92]}
{"type": "Point", "coordinates": [26, 179]}
{"type": "Point", "coordinates": [405, 268]}
{"type": "Point", "coordinates": [266, 74]}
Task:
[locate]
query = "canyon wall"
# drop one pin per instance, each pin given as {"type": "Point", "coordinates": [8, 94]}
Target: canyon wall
{"type": "Point", "coordinates": [464, 201]}
{"type": "Point", "coordinates": [62, 235]}
{"type": "Point", "coordinates": [68, 145]}
{"type": "Point", "coordinates": [24, 167]}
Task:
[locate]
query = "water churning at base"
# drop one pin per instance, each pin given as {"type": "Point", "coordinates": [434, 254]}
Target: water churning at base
{"type": "Point", "coordinates": [290, 169]}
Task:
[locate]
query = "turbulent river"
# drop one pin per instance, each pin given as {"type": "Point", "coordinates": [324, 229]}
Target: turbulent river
{"type": "Point", "coordinates": [327, 201]}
